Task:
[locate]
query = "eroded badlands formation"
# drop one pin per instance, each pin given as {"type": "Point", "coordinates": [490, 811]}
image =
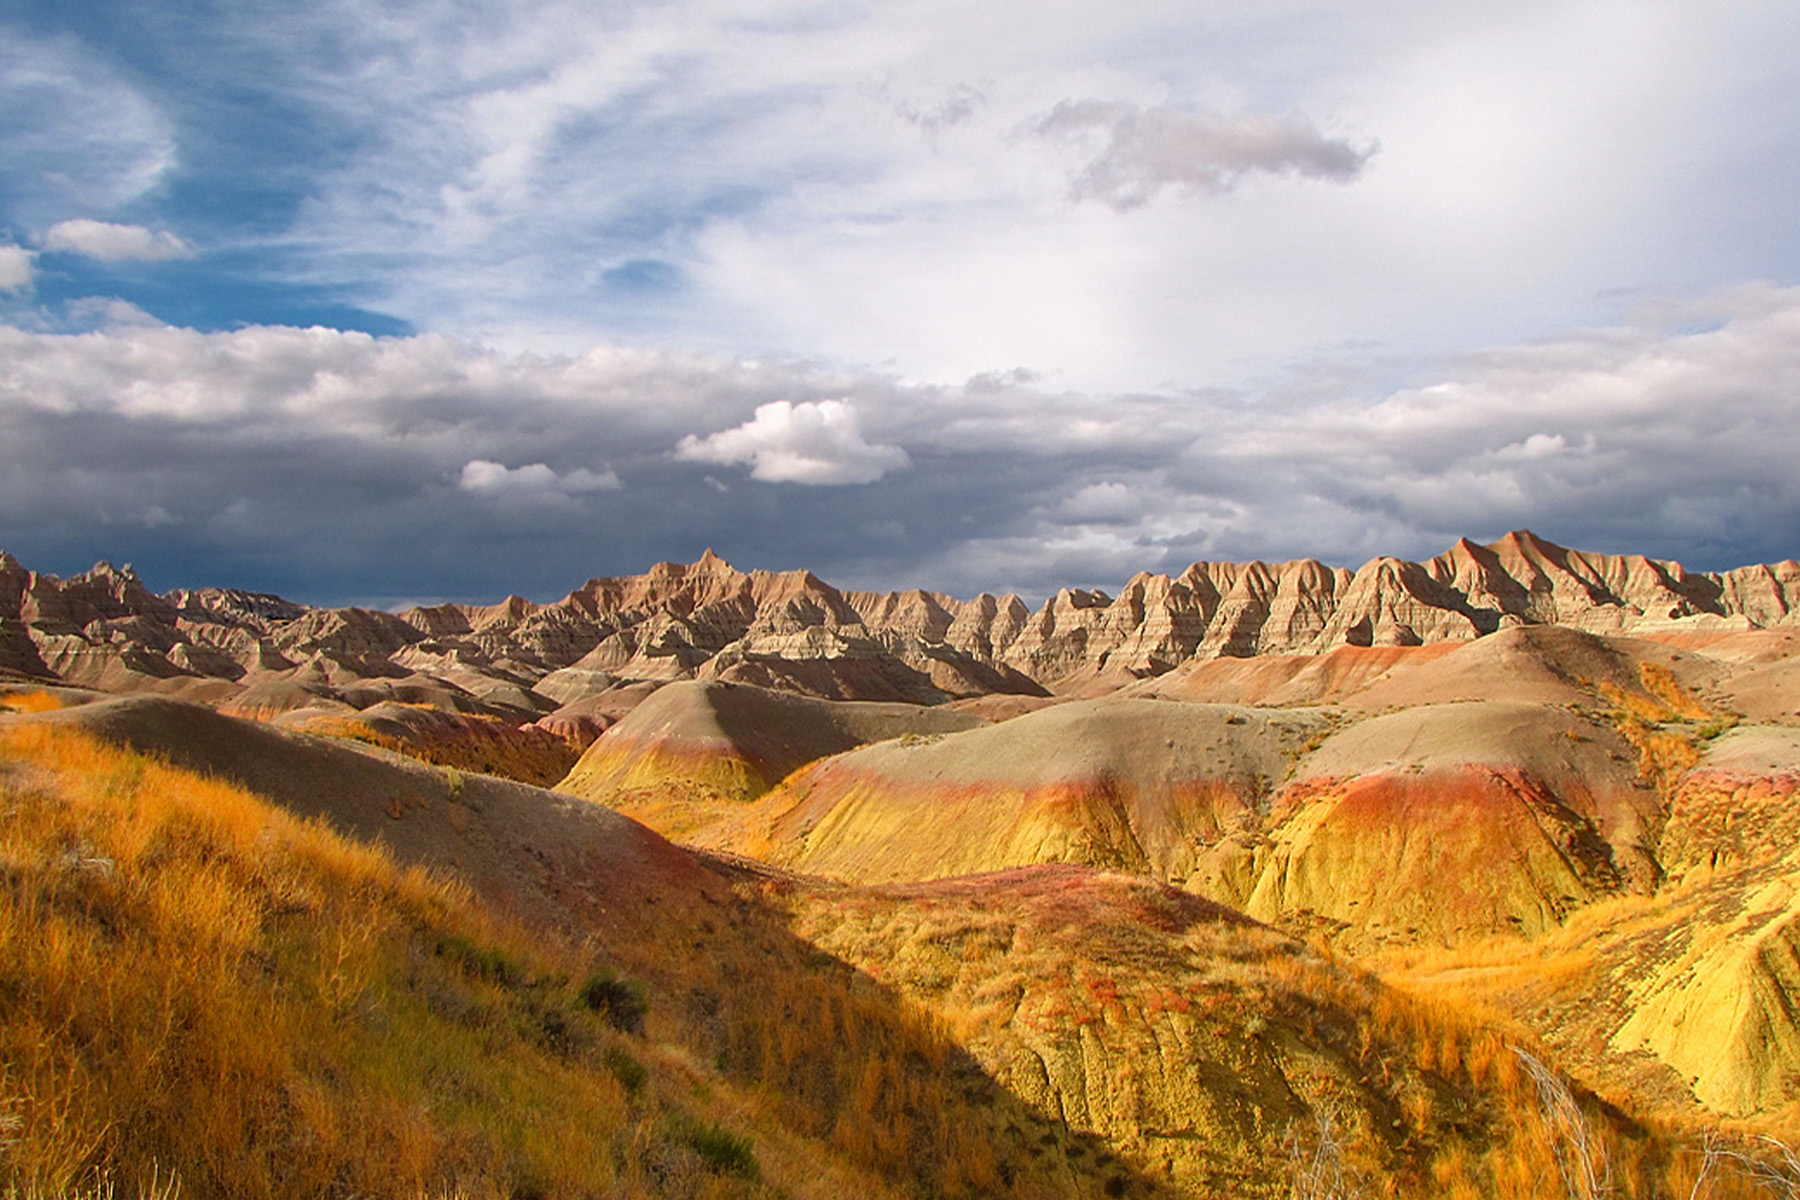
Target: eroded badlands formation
{"type": "Point", "coordinates": [1592, 759]}
{"type": "Point", "coordinates": [794, 632]}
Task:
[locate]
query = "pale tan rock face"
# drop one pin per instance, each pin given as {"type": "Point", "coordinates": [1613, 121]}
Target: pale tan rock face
{"type": "Point", "coordinates": [793, 630]}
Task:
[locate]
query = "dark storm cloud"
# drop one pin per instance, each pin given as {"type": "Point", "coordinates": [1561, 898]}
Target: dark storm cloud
{"type": "Point", "coordinates": [336, 466]}
{"type": "Point", "coordinates": [1149, 149]}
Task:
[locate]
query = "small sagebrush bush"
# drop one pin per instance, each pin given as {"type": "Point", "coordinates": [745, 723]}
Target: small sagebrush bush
{"type": "Point", "coordinates": [620, 1002]}
{"type": "Point", "coordinates": [630, 1073]}
{"type": "Point", "coordinates": [723, 1152]}
{"type": "Point", "coordinates": [480, 962]}
{"type": "Point", "coordinates": [1716, 727]}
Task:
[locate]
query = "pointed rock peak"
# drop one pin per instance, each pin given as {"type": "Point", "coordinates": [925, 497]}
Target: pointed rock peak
{"type": "Point", "coordinates": [712, 563]}
{"type": "Point", "coordinates": [1306, 574]}
{"type": "Point", "coordinates": [1523, 541]}
{"type": "Point", "coordinates": [1148, 583]}
{"type": "Point", "coordinates": [1080, 598]}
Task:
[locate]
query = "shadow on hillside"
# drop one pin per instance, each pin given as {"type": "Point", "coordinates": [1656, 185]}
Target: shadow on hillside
{"type": "Point", "coordinates": [825, 1050]}
{"type": "Point", "coordinates": [857, 1063]}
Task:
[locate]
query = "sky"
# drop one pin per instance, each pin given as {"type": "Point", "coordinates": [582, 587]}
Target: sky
{"type": "Point", "coordinates": [383, 302]}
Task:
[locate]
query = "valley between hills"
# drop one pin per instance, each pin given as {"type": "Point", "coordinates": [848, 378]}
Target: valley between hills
{"type": "Point", "coordinates": [1473, 877]}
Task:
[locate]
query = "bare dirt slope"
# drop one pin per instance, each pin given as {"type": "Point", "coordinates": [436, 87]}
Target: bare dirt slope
{"type": "Point", "coordinates": [1133, 784]}
{"type": "Point", "coordinates": [1533, 664]}
{"type": "Point", "coordinates": [1448, 821]}
{"type": "Point", "coordinates": [693, 752]}
{"type": "Point", "coordinates": [1682, 1001]}
{"type": "Point", "coordinates": [1438, 822]}
{"type": "Point", "coordinates": [1278, 680]}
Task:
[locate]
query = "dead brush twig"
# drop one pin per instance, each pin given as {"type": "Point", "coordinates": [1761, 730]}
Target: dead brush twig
{"type": "Point", "coordinates": [1316, 1163]}
{"type": "Point", "coordinates": [1580, 1155]}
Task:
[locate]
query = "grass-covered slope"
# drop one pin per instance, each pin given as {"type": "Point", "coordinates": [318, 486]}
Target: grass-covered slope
{"type": "Point", "coordinates": [196, 984]}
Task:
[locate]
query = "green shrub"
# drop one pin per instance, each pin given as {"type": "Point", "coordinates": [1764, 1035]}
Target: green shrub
{"type": "Point", "coordinates": [723, 1152]}
{"type": "Point", "coordinates": [1716, 727]}
{"type": "Point", "coordinates": [480, 962]}
{"type": "Point", "coordinates": [620, 1002]}
{"type": "Point", "coordinates": [627, 1070]}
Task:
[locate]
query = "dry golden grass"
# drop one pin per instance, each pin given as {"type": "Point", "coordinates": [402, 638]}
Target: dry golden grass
{"type": "Point", "coordinates": [1664, 724]}
{"type": "Point", "coordinates": [192, 979]}
{"type": "Point", "coordinates": [826, 1053]}
{"type": "Point", "coordinates": [195, 981]}
{"type": "Point", "coordinates": [30, 702]}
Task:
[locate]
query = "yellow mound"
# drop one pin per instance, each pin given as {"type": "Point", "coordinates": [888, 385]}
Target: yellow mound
{"type": "Point", "coordinates": [692, 751]}
{"type": "Point", "coordinates": [1204, 1046]}
{"type": "Point", "coordinates": [1134, 784]}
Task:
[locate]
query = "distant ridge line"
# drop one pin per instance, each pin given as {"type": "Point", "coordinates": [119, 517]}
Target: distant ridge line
{"type": "Point", "coordinates": [792, 630]}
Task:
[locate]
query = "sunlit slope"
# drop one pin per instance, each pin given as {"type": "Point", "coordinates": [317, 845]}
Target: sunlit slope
{"type": "Point", "coordinates": [1048, 1032]}
{"type": "Point", "coordinates": [1438, 822]}
{"type": "Point", "coordinates": [694, 750]}
{"type": "Point", "coordinates": [1444, 822]}
{"type": "Point", "coordinates": [1136, 785]}
{"type": "Point", "coordinates": [537, 854]}
{"type": "Point", "coordinates": [1531, 664]}
{"type": "Point", "coordinates": [1683, 1001]}
{"type": "Point", "coordinates": [366, 1028]}
{"type": "Point", "coordinates": [201, 987]}
{"type": "Point", "coordinates": [1206, 1048]}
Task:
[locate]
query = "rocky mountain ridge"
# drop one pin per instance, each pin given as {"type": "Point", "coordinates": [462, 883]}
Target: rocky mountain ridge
{"type": "Point", "coordinates": [793, 631]}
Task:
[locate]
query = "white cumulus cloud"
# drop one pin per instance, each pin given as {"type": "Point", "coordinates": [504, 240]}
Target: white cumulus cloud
{"type": "Point", "coordinates": [1106, 503]}
{"type": "Point", "coordinates": [812, 442]}
{"type": "Point", "coordinates": [15, 268]}
{"type": "Point", "coordinates": [535, 480]}
{"type": "Point", "coordinates": [115, 243]}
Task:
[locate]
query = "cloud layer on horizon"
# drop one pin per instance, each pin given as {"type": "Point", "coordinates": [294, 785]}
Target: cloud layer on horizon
{"type": "Point", "coordinates": [336, 466]}
{"type": "Point", "coordinates": [991, 296]}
